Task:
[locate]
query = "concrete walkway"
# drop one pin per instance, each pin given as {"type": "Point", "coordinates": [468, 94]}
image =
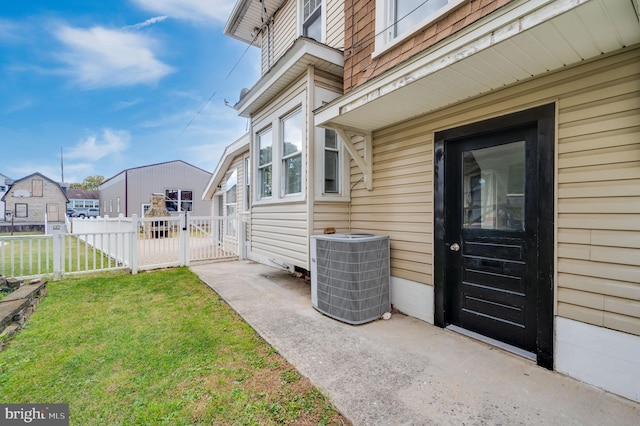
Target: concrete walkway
{"type": "Point", "coordinates": [404, 371]}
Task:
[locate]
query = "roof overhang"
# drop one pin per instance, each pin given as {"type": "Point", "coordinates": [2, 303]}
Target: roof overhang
{"type": "Point", "coordinates": [304, 52]}
{"type": "Point", "coordinates": [230, 152]}
{"type": "Point", "coordinates": [248, 17]}
{"type": "Point", "coordinates": [522, 40]}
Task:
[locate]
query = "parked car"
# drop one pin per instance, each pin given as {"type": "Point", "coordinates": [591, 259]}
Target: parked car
{"type": "Point", "coordinates": [86, 212]}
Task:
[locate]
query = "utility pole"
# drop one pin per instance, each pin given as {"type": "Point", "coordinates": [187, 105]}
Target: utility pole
{"type": "Point", "coordinates": [61, 165]}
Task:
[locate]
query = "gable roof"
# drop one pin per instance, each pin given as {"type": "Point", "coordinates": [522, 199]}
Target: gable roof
{"type": "Point", "coordinates": [31, 176]}
{"type": "Point", "coordinates": [153, 165]}
{"type": "Point", "coordinates": [230, 152]}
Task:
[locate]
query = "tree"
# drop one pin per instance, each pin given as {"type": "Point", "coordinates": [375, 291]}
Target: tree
{"type": "Point", "coordinates": [90, 183]}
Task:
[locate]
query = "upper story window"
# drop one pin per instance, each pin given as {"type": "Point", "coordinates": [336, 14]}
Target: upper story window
{"type": "Point", "coordinates": [292, 152]}
{"type": "Point", "coordinates": [408, 13]}
{"type": "Point", "coordinates": [265, 164]}
{"type": "Point", "coordinates": [398, 19]}
{"type": "Point", "coordinates": [312, 19]}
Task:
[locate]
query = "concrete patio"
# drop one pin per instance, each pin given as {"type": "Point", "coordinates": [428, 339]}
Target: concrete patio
{"type": "Point", "coordinates": [404, 371]}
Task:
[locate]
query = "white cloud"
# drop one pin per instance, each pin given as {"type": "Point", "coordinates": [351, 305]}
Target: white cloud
{"type": "Point", "coordinates": [93, 148]}
{"type": "Point", "coordinates": [201, 11]}
{"type": "Point", "coordinates": [101, 57]}
{"type": "Point", "coordinates": [146, 23]}
{"type": "Point", "coordinates": [127, 104]}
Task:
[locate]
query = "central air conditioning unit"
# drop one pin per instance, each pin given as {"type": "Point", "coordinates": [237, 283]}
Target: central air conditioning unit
{"type": "Point", "coordinates": [350, 276]}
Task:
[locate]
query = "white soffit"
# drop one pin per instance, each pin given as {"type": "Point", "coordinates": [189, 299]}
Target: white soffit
{"type": "Point", "coordinates": [523, 40]}
{"type": "Point", "coordinates": [249, 15]}
{"type": "Point", "coordinates": [303, 53]}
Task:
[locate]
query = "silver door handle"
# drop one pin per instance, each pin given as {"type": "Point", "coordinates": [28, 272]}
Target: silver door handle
{"type": "Point", "coordinates": [454, 247]}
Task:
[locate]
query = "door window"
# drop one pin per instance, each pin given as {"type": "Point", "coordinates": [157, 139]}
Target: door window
{"type": "Point", "coordinates": [494, 182]}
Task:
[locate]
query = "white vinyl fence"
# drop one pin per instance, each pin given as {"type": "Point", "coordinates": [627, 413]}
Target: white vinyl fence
{"type": "Point", "coordinates": [99, 244]}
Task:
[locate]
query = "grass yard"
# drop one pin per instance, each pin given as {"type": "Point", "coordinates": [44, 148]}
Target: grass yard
{"type": "Point", "coordinates": [32, 256]}
{"type": "Point", "coordinates": [153, 348]}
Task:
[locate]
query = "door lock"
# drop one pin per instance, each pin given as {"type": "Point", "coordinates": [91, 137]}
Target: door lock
{"type": "Point", "coordinates": [454, 247]}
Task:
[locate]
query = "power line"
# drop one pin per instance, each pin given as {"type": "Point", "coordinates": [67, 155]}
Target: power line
{"type": "Point", "coordinates": [225, 79]}
{"type": "Point", "coordinates": [393, 24]}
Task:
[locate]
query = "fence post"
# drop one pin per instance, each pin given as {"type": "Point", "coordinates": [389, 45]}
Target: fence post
{"type": "Point", "coordinates": [58, 252]}
{"type": "Point", "coordinates": [133, 244]}
{"type": "Point", "coordinates": [241, 238]}
{"type": "Point", "coordinates": [183, 244]}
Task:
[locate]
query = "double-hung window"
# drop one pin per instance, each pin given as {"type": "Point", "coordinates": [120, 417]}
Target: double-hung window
{"type": "Point", "coordinates": [231, 202]}
{"type": "Point", "coordinates": [265, 163]}
{"type": "Point", "coordinates": [331, 162]}
{"type": "Point", "coordinates": [292, 152]}
{"type": "Point", "coordinates": [312, 19]}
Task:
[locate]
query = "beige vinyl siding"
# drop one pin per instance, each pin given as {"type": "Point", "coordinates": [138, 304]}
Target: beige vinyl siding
{"type": "Point", "coordinates": [280, 232]}
{"type": "Point", "coordinates": [598, 186]}
{"type": "Point", "coordinates": [330, 215]}
{"type": "Point", "coordinates": [599, 201]}
{"type": "Point", "coordinates": [400, 204]}
{"type": "Point", "coordinates": [280, 35]}
{"type": "Point", "coordinates": [335, 23]}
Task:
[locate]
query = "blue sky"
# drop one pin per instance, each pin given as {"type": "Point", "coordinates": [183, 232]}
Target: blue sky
{"type": "Point", "coordinates": [117, 84]}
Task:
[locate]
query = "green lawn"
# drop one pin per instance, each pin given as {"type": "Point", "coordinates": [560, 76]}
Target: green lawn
{"type": "Point", "coordinates": [153, 348]}
{"type": "Point", "coordinates": [29, 256]}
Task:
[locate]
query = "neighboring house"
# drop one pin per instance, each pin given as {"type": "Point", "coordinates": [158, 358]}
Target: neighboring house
{"type": "Point", "coordinates": [496, 142]}
{"type": "Point", "coordinates": [129, 192]}
{"type": "Point", "coordinates": [229, 190]}
{"type": "Point", "coordinates": [5, 183]}
{"type": "Point", "coordinates": [83, 198]}
{"type": "Point", "coordinates": [31, 198]}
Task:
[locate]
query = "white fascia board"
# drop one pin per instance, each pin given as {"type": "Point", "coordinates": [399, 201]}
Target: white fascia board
{"type": "Point", "coordinates": [300, 49]}
{"type": "Point", "coordinates": [230, 152]}
{"type": "Point", "coordinates": [513, 19]}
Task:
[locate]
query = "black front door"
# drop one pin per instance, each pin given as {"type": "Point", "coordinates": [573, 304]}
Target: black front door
{"type": "Point", "coordinates": [495, 278]}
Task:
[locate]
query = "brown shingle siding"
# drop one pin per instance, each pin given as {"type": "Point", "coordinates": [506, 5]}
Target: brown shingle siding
{"type": "Point", "coordinates": [360, 34]}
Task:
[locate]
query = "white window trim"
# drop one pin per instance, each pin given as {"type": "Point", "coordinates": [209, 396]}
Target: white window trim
{"type": "Point", "coordinates": [274, 121]}
{"type": "Point", "coordinates": [284, 158]}
{"type": "Point", "coordinates": [384, 41]}
{"type": "Point", "coordinates": [324, 96]}
{"type": "Point", "coordinates": [258, 166]}
{"type": "Point", "coordinates": [246, 184]}
{"type": "Point", "coordinates": [231, 229]}
{"type": "Point", "coordinates": [323, 20]}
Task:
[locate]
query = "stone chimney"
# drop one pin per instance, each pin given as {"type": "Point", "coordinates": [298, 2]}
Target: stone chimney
{"type": "Point", "coordinates": [157, 207]}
